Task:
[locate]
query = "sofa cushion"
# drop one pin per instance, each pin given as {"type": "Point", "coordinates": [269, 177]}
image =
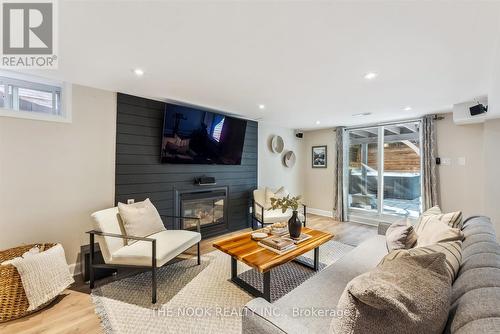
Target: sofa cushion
{"type": "Point", "coordinates": [400, 235]}
{"type": "Point", "coordinates": [453, 219]}
{"type": "Point", "coordinates": [405, 295]}
{"type": "Point", "coordinates": [481, 247]}
{"type": "Point", "coordinates": [478, 229]}
{"type": "Point", "coordinates": [452, 251]}
{"type": "Point", "coordinates": [476, 304]}
{"type": "Point", "coordinates": [474, 238]}
{"type": "Point", "coordinates": [259, 316]}
{"type": "Point", "coordinates": [474, 220]}
{"type": "Point", "coordinates": [140, 219]}
{"type": "Point", "coordinates": [169, 244]}
{"type": "Point", "coordinates": [437, 231]}
{"type": "Point", "coordinates": [485, 325]}
{"type": "Point", "coordinates": [477, 278]}
{"type": "Point", "coordinates": [480, 260]}
{"type": "Point", "coordinates": [322, 291]}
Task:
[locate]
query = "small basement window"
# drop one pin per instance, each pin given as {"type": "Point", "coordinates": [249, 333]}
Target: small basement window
{"type": "Point", "coordinates": [32, 99]}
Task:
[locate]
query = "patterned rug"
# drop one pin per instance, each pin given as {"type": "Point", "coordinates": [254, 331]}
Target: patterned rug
{"type": "Point", "coordinates": [196, 299]}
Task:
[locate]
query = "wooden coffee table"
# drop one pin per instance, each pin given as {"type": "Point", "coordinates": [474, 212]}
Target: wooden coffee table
{"type": "Point", "coordinates": [242, 248]}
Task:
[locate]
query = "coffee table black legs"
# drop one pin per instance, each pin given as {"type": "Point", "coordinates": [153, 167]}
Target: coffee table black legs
{"type": "Point", "coordinates": [316, 259]}
{"type": "Point", "coordinates": [267, 286]}
{"type": "Point", "coordinates": [266, 293]}
{"type": "Point", "coordinates": [315, 265]}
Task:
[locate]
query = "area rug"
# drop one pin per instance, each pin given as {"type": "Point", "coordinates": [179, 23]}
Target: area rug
{"type": "Point", "coordinates": [196, 299]}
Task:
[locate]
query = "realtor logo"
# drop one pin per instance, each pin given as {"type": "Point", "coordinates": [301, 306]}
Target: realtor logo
{"type": "Point", "coordinates": [28, 30]}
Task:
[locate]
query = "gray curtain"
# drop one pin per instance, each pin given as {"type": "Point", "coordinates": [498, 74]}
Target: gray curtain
{"type": "Point", "coordinates": [339, 205]}
{"type": "Point", "coordinates": [430, 178]}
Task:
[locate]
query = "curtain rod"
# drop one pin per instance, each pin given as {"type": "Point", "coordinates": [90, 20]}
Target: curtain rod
{"type": "Point", "coordinates": [436, 117]}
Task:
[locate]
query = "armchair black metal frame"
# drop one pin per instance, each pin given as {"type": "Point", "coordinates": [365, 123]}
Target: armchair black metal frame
{"type": "Point", "coordinates": [153, 266]}
{"type": "Point", "coordinates": [261, 220]}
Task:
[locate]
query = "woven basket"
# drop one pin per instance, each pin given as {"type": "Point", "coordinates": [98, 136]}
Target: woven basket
{"type": "Point", "coordinates": [13, 300]}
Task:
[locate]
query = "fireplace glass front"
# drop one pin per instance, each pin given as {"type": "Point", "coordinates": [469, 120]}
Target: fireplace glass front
{"type": "Point", "coordinates": [209, 207]}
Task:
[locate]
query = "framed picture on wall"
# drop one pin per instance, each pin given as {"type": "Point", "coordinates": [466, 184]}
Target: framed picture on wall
{"type": "Point", "coordinates": [319, 158]}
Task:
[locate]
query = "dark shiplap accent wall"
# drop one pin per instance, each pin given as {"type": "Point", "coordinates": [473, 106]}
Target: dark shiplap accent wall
{"type": "Point", "coordinates": [139, 173]}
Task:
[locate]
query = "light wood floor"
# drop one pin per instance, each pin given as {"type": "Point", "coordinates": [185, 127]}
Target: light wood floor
{"type": "Point", "coordinates": [73, 312]}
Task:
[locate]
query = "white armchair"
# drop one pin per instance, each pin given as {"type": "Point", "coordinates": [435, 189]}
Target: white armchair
{"type": "Point", "coordinates": [261, 213]}
{"type": "Point", "coordinates": [147, 252]}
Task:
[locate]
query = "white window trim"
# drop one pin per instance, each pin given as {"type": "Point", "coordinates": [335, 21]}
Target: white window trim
{"type": "Point", "coordinates": [66, 98]}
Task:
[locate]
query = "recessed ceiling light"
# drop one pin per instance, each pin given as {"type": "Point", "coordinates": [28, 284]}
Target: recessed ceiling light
{"type": "Point", "coordinates": [138, 72]}
{"type": "Point", "coordinates": [370, 75]}
{"type": "Point", "coordinates": [362, 114]}
{"type": "Point", "coordinates": [407, 108]}
{"type": "Point", "coordinates": [318, 122]}
{"type": "Point", "coordinates": [262, 107]}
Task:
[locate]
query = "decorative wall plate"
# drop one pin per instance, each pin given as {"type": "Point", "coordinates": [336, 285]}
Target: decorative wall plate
{"type": "Point", "coordinates": [289, 159]}
{"type": "Point", "coordinates": [277, 144]}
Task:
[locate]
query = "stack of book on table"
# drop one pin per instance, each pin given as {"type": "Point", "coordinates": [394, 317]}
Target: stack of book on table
{"type": "Point", "coordinates": [302, 237]}
{"type": "Point", "coordinates": [278, 245]}
{"type": "Point", "coordinates": [278, 232]}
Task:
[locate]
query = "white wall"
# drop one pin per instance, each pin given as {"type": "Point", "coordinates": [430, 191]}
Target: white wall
{"type": "Point", "coordinates": [462, 186]}
{"type": "Point", "coordinates": [54, 175]}
{"type": "Point", "coordinates": [474, 187]}
{"type": "Point", "coordinates": [319, 182]}
{"type": "Point", "coordinates": [494, 93]}
{"type": "Point", "coordinates": [271, 171]}
{"type": "Point", "coordinates": [491, 172]}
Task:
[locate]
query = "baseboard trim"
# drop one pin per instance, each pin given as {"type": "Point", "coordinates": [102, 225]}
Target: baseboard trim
{"type": "Point", "coordinates": [320, 212]}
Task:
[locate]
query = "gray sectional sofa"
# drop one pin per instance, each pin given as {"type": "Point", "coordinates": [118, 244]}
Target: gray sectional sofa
{"type": "Point", "coordinates": [475, 304]}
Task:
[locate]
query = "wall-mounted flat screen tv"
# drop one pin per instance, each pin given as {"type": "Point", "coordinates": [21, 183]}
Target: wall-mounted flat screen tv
{"type": "Point", "coordinates": [196, 136]}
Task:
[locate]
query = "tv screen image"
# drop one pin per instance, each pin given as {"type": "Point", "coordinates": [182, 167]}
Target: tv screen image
{"type": "Point", "coordinates": [196, 136]}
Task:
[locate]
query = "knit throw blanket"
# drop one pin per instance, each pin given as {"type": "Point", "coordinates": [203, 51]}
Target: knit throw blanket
{"type": "Point", "coordinates": [44, 275]}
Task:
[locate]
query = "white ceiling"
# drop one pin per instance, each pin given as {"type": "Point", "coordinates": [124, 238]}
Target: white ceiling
{"type": "Point", "coordinates": [304, 60]}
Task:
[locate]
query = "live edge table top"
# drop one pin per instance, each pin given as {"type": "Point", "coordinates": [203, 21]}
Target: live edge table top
{"type": "Point", "coordinates": [243, 248]}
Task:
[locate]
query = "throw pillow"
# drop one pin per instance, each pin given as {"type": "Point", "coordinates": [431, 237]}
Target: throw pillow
{"type": "Point", "coordinates": [453, 219]}
{"type": "Point", "coordinates": [452, 251]}
{"type": "Point", "coordinates": [140, 219]}
{"type": "Point", "coordinates": [437, 231]}
{"type": "Point", "coordinates": [279, 193]}
{"type": "Point", "coordinates": [400, 235]}
{"type": "Point", "coordinates": [406, 295]}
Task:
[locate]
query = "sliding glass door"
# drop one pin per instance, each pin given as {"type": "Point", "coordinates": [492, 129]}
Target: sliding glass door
{"type": "Point", "coordinates": [363, 171]}
{"type": "Point", "coordinates": [383, 172]}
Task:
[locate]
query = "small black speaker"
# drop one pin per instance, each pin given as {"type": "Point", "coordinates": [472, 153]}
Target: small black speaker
{"type": "Point", "coordinates": [478, 109]}
{"type": "Point", "coordinates": [204, 181]}
{"type": "Point", "coordinates": [299, 134]}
